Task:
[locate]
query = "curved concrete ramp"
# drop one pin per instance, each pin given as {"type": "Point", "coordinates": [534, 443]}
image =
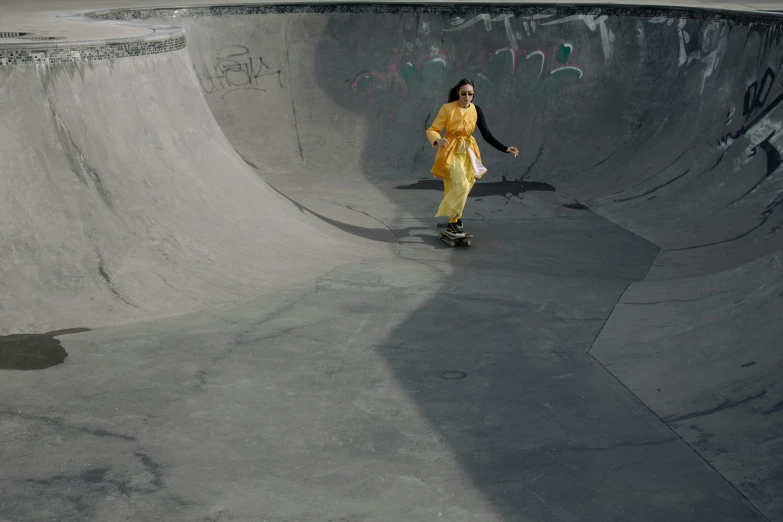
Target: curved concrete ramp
{"type": "Point", "coordinates": [122, 200]}
{"type": "Point", "coordinates": [609, 348]}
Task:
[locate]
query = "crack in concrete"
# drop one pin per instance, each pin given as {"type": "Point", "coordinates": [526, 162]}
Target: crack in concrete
{"type": "Point", "coordinates": [725, 405]}
{"type": "Point", "coordinates": [676, 300]}
{"type": "Point", "coordinates": [62, 424]}
{"type": "Point", "coordinates": [109, 282]}
{"type": "Point", "coordinates": [626, 444]}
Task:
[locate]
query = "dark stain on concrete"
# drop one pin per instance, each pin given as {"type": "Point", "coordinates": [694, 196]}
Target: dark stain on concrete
{"type": "Point", "coordinates": [33, 351]}
{"type": "Point", "coordinates": [652, 190]}
{"type": "Point", "coordinates": [705, 441]}
{"type": "Point", "coordinates": [78, 163]}
{"type": "Point", "coordinates": [95, 476]}
{"type": "Point", "coordinates": [109, 282]}
{"type": "Point", "coordinates": [725, 405]}
{"type": "Point", "coordinates": [453, 374]}
{"type": "Point", "coordinates": [80, 493]}
{"type": "Point", "coordinates": [153, 468]}
{"type": "Point", "coordinates": [576, 206]}
{"type": "Point", "coordinates": [774, 409]}
{"type": "Point", "coordinates": [61, 425]}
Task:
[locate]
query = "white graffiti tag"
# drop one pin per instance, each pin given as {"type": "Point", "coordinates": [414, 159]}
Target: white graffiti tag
{"type": "Point", "coordinates": [593, 23]}
{"type": "Point", "coordinates": [528, 23]}
{"type": "Point", "coordinates": [487, 19]}
{"type": "Point", "coordinates": [713, 45]}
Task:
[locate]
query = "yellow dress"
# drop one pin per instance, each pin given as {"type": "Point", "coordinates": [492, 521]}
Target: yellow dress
{"type": "Point", "coordinates": [453, 163]}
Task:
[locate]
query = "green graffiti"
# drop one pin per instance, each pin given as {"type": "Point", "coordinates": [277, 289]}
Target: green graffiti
{"type": "Point", "coordinates": [424, 83]}
{"type": "Point", "coordinates": [563, 78]}
{"type": "Point", "coordinates": [414, 89]}
{"type": "Point", "coordinates": [433, 71]}
{"type": "Point", "coordinates": [409, 73]}
{"type": "Point", "coordinates": [563, 52]}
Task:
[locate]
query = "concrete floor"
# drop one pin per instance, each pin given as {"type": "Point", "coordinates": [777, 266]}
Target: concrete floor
{"type": "Point", "coordinates": [228, 301]}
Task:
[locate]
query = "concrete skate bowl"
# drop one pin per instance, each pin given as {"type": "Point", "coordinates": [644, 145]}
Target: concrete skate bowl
{"type": "Point", "coordinates": [611, 345]}
{"type": "Point", "coordinates": [662, 121]}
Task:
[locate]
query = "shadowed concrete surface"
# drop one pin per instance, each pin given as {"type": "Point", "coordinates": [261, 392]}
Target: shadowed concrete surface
{"type": "Point", "coordinates": [609, 348]}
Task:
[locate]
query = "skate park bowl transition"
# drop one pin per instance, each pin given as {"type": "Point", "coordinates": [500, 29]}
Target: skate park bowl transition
{"type": "Point", "coordinates": [223, 296]}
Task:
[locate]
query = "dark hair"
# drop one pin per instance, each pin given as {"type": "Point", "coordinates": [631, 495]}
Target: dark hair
{"type": "Point", "coordinates": [454, 92]}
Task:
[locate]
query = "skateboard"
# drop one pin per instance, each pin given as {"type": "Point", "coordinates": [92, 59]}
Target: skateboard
{"type": "Point", "coordinates": [453, 240]}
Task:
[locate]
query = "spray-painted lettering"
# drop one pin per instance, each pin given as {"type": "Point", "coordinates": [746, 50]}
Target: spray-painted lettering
{"type": "Point", "coordinates": [235, 68]}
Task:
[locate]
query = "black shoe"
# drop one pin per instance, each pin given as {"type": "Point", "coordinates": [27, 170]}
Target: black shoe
{"type": "Point", "coordinates": [459, 226]}
{"type": "Point", "coordinates": [452, 228]}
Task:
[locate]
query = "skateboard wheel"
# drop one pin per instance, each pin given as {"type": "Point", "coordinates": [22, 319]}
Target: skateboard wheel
{"type": "Point", "coordinates": [440, 236]}
{"type": "Point", "coordinates": [467, 242]}
{"type": "Point", "coordinates": [453, 243]}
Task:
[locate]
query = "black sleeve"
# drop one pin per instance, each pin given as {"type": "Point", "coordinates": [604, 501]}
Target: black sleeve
{"type": "Point", "coordinates": [488, 137]}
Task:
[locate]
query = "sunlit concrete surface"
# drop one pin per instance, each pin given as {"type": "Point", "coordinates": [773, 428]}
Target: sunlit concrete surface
{"type": "Point", "coordinates": [223, 297]}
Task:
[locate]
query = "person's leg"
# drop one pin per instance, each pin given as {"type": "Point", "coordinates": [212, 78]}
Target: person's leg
{"type": "Point", "coordinates": [445, 208]}
{"type": "Point", "coordinates": [465, 171]}
{"type": "Point", "coordinates": [455, 191]}
{"type": "Point", "coordinates": [446, 205]}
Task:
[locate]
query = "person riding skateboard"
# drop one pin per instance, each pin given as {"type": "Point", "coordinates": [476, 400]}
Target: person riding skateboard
{"type": "Point", "coordinates": [458, 160]}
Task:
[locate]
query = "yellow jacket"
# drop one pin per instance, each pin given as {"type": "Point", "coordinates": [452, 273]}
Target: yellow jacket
{"type": "Point", "coordinates": [458, 128]}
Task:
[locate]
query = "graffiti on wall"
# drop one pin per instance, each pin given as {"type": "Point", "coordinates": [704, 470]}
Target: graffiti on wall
{"type": "Point", "coordinates": [713, 44]}
{"type": "Point", "coordinates": [762, 132]}
{"type": "Point", "coordinates": [235, 68]}
{"type": "Point", "coordinates": [756, 105]}
{"type": "Point", "coordinates": [503, 73]}
{"type": "Point", "coordinates": [593, 23]}
{"type": "Point", "coordinates": [530, 24]}
{"type": "Point", "coordinates": [517, 69]}
{"type": "Point", "coordinates": [712, 37]}
{"type": "Point", "coordinates": [757, 92]}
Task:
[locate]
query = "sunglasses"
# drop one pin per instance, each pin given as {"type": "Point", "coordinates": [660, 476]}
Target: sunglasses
{"type": "Point", "coordinates": [466, 94]}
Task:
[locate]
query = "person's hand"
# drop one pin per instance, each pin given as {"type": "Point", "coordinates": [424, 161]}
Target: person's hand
{"type": "Point", "coordinates": [513, 150]}
{"type": "Point", "coordinates": [442, 142]}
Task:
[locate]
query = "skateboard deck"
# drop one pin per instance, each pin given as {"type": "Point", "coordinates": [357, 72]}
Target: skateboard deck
{"type": "Point", "coordinates": [453, 240]}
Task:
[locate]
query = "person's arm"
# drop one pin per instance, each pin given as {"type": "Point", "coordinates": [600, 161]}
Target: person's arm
{"type": "Point", "coordinates": [481, 123]}
{"type": "Point", "coordinates": [433, 133]}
